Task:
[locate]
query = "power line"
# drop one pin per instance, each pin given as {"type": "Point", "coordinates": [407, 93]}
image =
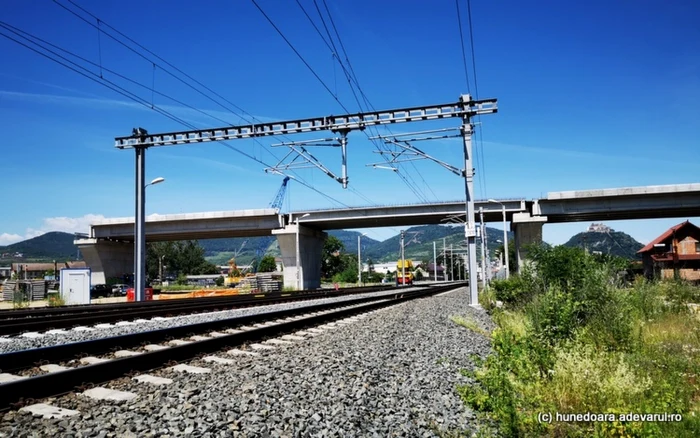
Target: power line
{"type": "Point", "coordinates": [18, 31]}
{"type": "Point", "coordinates": [478, 157]}
{"type": "Point", "coordinates": [309, 66]}
{"type": "Point", "coordinates": [461, 40]}
{"type": "Point", "coordinates": [291, 46]}
{"type": "Point", "coordinates": [352, 77]}
{"type": "Point", "coordinates": [101, 81]}
{"type": "Point", "coordinates": [134, 97]}
{"type": "Point", "coordinates": [99, 21]}
{"type": "Point", "coordinates": [476, 91]}
{"type": "Point", "coordinates": [100, 30]}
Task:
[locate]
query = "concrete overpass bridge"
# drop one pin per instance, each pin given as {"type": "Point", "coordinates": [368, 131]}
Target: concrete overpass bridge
{"type": "Point", "coordinates": [109, 249]}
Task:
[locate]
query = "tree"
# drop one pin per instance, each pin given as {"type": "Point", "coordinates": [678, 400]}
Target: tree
{"type": "Point", "coordinates": [267, 264]}
{"type": "Point", "coordinates": [220, 280]}
{"type": "Point", "coordinates": [332, 262]}
{"type": "Point", "coordinates": [181, 258]}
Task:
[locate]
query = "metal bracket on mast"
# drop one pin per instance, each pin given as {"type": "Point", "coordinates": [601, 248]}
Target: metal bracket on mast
{"type": "Point", "coordinates": [411, 152]}
{"type": "Point", "coordinates": [303, 159]}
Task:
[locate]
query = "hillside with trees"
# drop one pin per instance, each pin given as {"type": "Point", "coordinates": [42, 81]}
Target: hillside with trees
{"type": "Point", "coordinates": [610, 242]}
{"type": "Point", "coordinates": [55, 245]}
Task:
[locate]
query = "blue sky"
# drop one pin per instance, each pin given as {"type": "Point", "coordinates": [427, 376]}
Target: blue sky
{"type": "Point", "coordinates": [591, 95]}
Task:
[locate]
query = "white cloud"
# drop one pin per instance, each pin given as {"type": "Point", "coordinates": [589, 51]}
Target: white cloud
{"type": "Point", "coordinates": [9, 239]}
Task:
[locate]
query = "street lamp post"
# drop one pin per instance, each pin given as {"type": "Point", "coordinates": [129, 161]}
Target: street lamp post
{"type": "Point", "coordinates": [160, 268]}
{"type": "Point", "coordinates": [299, 287]}
{"type": "Point", "coordinates": [359, 260]}
{"type": "Point", "coordinates": [505, 235]}
{"type": "Point", "coordinates": [140, 226]}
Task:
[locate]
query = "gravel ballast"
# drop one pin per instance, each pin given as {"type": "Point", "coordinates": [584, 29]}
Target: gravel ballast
{"type": "Point", "coordinates": [392, 373]}
{"type": "Point", "coordinates": [17, 343]}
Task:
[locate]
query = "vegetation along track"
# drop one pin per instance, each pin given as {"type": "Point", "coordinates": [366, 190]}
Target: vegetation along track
{"type": "Point", "coordinates": [221, 334]}
{"type": "Point", "coordinates": [14, 322]}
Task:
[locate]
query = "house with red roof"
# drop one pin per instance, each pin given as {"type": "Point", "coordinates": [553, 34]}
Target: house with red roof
{"type": "Point", "coordinates": [675, 252]}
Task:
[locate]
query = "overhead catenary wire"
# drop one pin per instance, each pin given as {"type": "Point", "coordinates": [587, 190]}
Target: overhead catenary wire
{"type": "Point", "coordinates": [298, 178]}
{"type": "Point", "coordinates": [108, 84]}
{"type": "Point", "coordinates": [414, 187]}
{"type": "Point", "coordinates": [476, 92]}
{"type": "Point", "coordinates": [101, 81]}
{"type": "Point", "coordinates": [478, 157]}
{"type": "Point", "coordinates": [352, 78]}
{"type": "Point", "coordinates": [289, 43]}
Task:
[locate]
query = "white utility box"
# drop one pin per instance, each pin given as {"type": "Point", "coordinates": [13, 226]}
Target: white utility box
{"type": "Point", "coordinates": [75, 285]}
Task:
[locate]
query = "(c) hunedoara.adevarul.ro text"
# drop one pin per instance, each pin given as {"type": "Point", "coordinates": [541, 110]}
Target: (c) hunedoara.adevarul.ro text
{"type": "Point", "coordinates": [547, 417]}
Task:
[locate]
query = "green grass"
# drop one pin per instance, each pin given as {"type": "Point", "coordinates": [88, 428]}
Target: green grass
{"type": "Point", "coordinates": [470, 324]}
{"type": "Point", "coordinates": [582, 344]}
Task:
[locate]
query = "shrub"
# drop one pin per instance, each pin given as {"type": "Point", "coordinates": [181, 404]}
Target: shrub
{"type": "Point", "coordinates": [579, 343]}
{"type": "Point", "coordinates": [55, 300]}
{"type": "Point", "coordinates": [487, 299]}
{"type": "Point", "coordinates": [20, 300]}
{"type": "Point", "coordinates": [510, 291]}
{"type": "Point", "coordinates": [554, 316]}
{"type": "Point", "coordinates": [679, 293]}
{"type": "Point", "coordinates": [220, 281]}
{"type": "Point", "coordinates": [645, 298]}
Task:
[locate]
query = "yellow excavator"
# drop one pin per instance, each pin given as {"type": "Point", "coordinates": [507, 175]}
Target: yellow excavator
{"type": "Point", "coordinates": [234, 274]}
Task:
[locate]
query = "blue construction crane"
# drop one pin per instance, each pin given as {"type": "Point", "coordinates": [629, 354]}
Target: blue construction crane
{"type": "Point", "coordinates": [277, 202]}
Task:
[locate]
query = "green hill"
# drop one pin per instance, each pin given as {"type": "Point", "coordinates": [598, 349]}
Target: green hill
{"type": "Point", "coordinates": [609, 242]}
{"type": "Point", "coordinates": [55, 245]}
{"type": "Point", "coordinates": [418, 242]}
{"type": "Point", "coordinates": [220, 251]}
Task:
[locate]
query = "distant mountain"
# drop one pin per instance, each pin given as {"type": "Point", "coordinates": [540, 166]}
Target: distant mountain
{"type": "Point", "coordinates": [608, 242]}
{"type": "Point", "coordinates": [418, 242]}
{"type": "Point", "coordinates": [349, 239]}
{"type": "Point", "coordinates": [55, 245]}
{"type": "Point", "coordinates": [220, 251]}
{"type": "Point", "coordinates": [418, 245]}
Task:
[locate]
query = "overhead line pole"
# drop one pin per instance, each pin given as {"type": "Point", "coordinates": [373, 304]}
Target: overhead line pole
{"type": "Point", "coordinates": [435, 261]}
{"type": "Point", "coordinates": [465, 109]}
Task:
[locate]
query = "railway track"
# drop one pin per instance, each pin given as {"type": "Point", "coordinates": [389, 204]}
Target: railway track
{"type": "Point", "coordinates": [50, 371]}
{"type": "Point", "coordinates": [15, 322]}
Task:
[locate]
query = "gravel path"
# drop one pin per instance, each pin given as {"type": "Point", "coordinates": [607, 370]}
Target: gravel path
{"type": "Point", "coordinates": [16, 343]}
{"type": "Point", "coordinates": [392, 373]}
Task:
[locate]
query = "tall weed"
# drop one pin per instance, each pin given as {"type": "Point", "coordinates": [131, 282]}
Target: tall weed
{"type": "Point", "coordinates": [578, 343]}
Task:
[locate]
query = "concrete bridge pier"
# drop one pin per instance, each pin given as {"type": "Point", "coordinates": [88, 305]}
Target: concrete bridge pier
{"type": "Point", "coordinates": [107, 259]}
{"type": "Point", "coordinates": [310, 253]}
{"type": "Point", "coordinates": [527, 230]}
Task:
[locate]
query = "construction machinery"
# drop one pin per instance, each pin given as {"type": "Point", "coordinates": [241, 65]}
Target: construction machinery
{"type": "Point", "coordinates": [279, 198]}
{"type": "Point", "coordinates": [404, 272]}
{"type": "Point", "coordinates": [277, 205]}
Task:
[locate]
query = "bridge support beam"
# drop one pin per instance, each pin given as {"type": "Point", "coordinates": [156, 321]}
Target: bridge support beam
{"type": "Point", "coordinates": [528, 231]}
{"type": "Point", "coordinates": [107, 259]}
{"type": "Point", "coordinates": [310, 253]}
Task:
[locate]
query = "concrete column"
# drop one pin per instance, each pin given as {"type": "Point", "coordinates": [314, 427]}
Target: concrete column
{"type": "Point", "coordinates": [528, 230]}
{"type": "Point", "coordinates": [107, 259]}
{"type": "Point", "coordinates": [310, 252]}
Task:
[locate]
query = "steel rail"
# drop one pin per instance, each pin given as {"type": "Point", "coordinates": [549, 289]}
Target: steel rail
{"type": "Point", "coordinates": [83, 316]}
{"type": "Point", "coordinates": [19, 392]}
